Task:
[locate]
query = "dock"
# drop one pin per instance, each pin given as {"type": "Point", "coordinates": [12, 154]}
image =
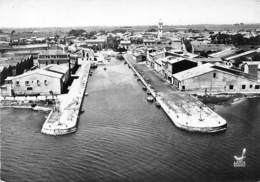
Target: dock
{"type": "Point", "coordinates": [184, 110]}
{"type": "Point", "coordinates": [64, 117]}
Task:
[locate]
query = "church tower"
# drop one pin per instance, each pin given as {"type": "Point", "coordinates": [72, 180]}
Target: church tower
{"type": "Point", "coordinates": [160, 29]}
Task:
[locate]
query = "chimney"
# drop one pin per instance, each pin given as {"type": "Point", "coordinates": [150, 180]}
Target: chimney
{"type": "Point", "coordinates": [253, 69]}
{"type": "Point", "coordinates": [199, 63]}
{"type": "Point", "coordinates": [246, 68]}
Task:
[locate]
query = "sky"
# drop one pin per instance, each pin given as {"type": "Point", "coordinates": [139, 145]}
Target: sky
{"type": "Point", "coordinates": [60, 13]}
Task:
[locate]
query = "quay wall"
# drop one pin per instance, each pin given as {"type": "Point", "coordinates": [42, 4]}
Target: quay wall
{"type": "Point", "coordinates": [64, 120]}
{"type": "Point", "coordinates": [170, 113]}
{"type": "Point", "coordinates": [25, 102]}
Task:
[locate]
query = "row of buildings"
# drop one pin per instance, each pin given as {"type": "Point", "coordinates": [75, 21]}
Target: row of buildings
{"type": "Point", "coordinates": [49, 75]}
{"type": "Point", "coordinates": [190, 72]}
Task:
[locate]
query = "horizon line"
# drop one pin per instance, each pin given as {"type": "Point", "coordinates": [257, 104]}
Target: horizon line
{"type": "Point", "coordinates": [192, 24]}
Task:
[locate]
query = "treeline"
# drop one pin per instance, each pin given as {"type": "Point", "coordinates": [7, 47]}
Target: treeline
{"type": "Point", "coordinates": [17, 69]}
{"type": "Point", "coordinates": [187, 45]}
{"type": "Point", "coordinates": [81, 32]}
{"type": "Point", "coordinates": [236, 39]}
{"type": "Point", "coordinates": [91, 34]}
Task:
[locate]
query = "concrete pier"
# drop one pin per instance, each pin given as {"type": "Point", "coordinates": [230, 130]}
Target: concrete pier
{"type": "Point", "coordinates": [63, 119]}
{"type": "Point", "coordinates": [185, 111]}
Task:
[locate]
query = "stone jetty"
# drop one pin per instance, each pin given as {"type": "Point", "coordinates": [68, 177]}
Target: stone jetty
{"type": "Point", "coordinates": [185, 111]}
{"type": "Point", "coordinates": [64, 117]}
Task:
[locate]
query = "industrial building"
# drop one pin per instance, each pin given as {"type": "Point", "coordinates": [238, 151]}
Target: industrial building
{"type": "Point", "coordinates": [53, 57]}
{"type": "Point", "coordinates": [45, 81]}
{"type": "Point", "coordinates": [216, 78]}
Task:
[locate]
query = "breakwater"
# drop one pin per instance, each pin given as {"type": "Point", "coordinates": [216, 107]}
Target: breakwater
{"type": "Point", "coordinates": [185, 111]}
{"type": "Point", "coordinates": [64, 117]}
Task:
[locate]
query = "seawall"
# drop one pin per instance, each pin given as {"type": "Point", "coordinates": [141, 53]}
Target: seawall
{"type": "Point", "coordinates": [184, 116]}
{"type": "Point", "coordinates": [64, 117]}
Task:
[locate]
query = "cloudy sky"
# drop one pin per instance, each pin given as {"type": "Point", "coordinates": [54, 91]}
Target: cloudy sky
{"type": "Point", "coordinates": [42, 13]}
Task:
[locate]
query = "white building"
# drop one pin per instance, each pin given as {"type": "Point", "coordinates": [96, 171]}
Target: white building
{"type": "Point", "coordinates": [160, 29]}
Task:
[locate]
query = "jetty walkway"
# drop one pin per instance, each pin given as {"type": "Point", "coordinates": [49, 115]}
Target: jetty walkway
{"type": "Point", "coordinates": [185, 111]}
{"type": "Point", "coordinates": [64, 117]}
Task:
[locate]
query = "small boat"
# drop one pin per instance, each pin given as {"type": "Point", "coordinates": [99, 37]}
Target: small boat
{"type": "Point", "coordinates": [105, 68]}
{"type": "Point", "coordinates": [82, 111]}
{"type": "Point", "coordinates": [93, 65]}
{"type": "Point", "coordinates": [86, 94]}
{"type": "Point", "coordinates": [150, 98]}
{"type": "Point", "coordinates": [149, 93]}
{"type": "Point", "coordinates": [125, 62]}
{"type": "Point", "coordinates": [144, 88]}
{"type": "Point", "coordinates": [138, 79]}
{"type": "Point", "coordinates": [157, 104]}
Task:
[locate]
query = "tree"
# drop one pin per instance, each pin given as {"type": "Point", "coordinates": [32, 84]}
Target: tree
{"type": "Point", "coordinates": [152, 30]}
{"type": "Point", "coordinates": [118, 31]}
{"type": "Point", "coordinates": [187, 45]}
{"type": "Point", "coordinates": [11, 37]}
{"type": "Point", "coordinates": [121, 49]}
{"type": "Point", "coordinates": [90, 34]}
{"type": "Point", "coordinates": [76, 32]}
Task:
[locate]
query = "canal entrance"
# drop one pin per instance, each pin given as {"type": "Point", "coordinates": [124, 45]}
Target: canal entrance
{"type": "Point", "coordinates": [122, 137]}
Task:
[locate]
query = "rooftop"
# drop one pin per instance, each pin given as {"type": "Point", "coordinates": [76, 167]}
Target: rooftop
{"type": "Point", "coordinates": [125, 42]}
{"type": "Point", "coordinates": [30, 46]}
{"type": "Point", "coordinates": [37, 71]}
{"type": "Point", "coordinates": [61, 69]}
{"type": "Point", "coordinates": [211, 60]}
{"type": "Point", "coordinates": [199, 70]}
{"type": "Point", "coordinates": [52, 52]}
{"type": "Point", "coordinates": [241, 54]}
{"type": "Point", "coordinates": [224, 53]}
{"type": "Point", "coordinates": [95, 40]}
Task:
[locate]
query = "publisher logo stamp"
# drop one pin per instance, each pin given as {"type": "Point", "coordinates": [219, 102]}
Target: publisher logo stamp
{"type": "Point", "coordinates": [240, 160]}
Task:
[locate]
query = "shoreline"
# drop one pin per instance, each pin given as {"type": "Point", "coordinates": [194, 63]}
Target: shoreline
{"type": "Point", "coordinates": [36, 108]}
{"type": "Point", "coordinates": [226, 98]}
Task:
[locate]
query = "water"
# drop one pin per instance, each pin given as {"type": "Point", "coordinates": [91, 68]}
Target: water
{"type": "Point", "coordinates": [122, 137]}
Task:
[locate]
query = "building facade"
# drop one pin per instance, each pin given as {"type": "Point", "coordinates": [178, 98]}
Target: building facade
{"type": "Point", "coordinates": [212, 78]}
{"type": "Point", "coordinates": [50, 80]}
{"type": "Point", "coordinates": [53, 57]}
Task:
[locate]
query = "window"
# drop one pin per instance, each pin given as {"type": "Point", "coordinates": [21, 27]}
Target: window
{"type": "Point", "coordinates": [46, 63]}
{"type": "Point", "coordinates": [257, 86]}
{"type": "Point", "coordinates": [17, 83]}
{"type": "Point", "coordinates": [183, 87]}
{"type": "Point", "coordinates": [38, 82]}
{"type": "Point", "coordinates": [58, 62]}
{"type": "Point", "coordinates": [45, 82]}
{"type": "Point", "coordinates": [52, 62]}
{"type": "Point", "coordinates": [26, 82]}
{"type": "Point", "coordinates": [251, 86]}
{"type": "Point", "coordinates": [29, 88]}
{"type": "Point", "coordinates": [214, 75]}
{"type": "Point", "coordinates": [243, 86]}
{"type": "Point", "coordinates": [231, 87]}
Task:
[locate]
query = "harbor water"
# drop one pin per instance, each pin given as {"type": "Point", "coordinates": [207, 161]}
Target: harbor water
{"type": "Point", "coordinates": [122, 137]}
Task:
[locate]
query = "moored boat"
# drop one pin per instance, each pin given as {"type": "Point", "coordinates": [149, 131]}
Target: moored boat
{"type": "Point", "coordinates": [150, 98]}
{"type": "Point", "coordinates": [157, 104]}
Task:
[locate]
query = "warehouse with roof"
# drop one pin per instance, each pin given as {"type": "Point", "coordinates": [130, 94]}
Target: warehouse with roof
{"type": "Point", "coordinates": [215, 78]}
{"type": "Point", "coordinates": [46, 81]}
